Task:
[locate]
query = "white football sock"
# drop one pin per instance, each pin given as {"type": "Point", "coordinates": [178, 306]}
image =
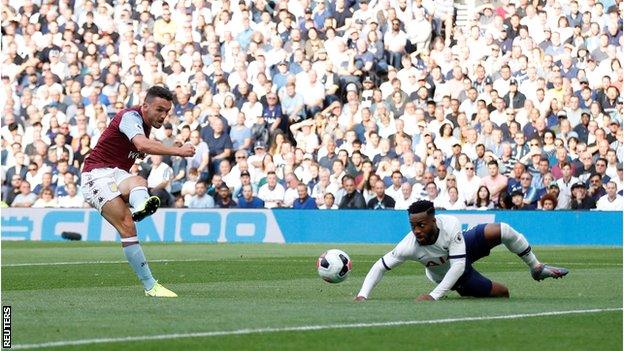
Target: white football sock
{"type": "Point", "coordinates": [517, 243]}
{"type": "Point", "coordinates": [136, 258]}
{"type": "Point", "coordinates": [138, 196]}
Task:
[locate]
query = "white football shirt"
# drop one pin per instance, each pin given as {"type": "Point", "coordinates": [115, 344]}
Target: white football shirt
{"type": "Point", "coordinates": [436, 258]}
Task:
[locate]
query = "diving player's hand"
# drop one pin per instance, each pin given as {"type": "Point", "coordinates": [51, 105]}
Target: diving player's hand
{"type": "Point", "coordinates": [425, 297]}
{"type": "Point", "coordinates": [186, 150]}
{"type": "Point", "coordinates": [359, 298]}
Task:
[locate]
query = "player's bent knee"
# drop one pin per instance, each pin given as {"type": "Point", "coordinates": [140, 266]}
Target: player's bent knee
{"type": "Point", "coordinates": [499, 290]}
{"type": "Point", "coordinates": [492, 233]}
{"type": "Point", "coordinates": [138, 181]}
{"type": "Point", "coordinates": [126, 186]}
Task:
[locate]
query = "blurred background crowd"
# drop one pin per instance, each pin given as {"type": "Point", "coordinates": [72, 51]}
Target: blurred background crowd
{"type": "Point", "coordinates": [323, 104]}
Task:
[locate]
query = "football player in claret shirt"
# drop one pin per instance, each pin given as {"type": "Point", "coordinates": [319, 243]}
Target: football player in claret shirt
{"type": "Point", "coordinates": [108, 186]}
{"type": "Point", "coordinates": [438, 243]}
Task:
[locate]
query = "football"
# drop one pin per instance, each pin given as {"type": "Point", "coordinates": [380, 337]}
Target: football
{"type": "Point", "coordinates": [334, 266]}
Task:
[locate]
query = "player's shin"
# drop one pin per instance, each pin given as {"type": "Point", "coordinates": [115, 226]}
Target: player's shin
{"type": "Point", "coordinates": [518, 244]}
{"type": "Point", "coordinates": [136, 259]}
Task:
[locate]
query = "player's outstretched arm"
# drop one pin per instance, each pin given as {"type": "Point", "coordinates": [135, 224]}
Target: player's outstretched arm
{"type": "Point", "coordinates": [153, 147]}
{"type": "Point", "coordinates": [373, 277]}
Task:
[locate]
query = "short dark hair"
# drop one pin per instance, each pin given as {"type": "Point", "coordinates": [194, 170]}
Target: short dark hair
{"type": "Point", "coordinates": [421, 206]}
{"type": "Point", "coordinates": [158, 91]}
{"type": "Point", "coordinates": [397, 172]}
{"type": "Point", "coordinates": [493, 162]}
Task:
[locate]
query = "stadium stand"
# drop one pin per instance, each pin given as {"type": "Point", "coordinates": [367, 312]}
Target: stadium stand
{"type": "Point", "coordinates": [421, 92]}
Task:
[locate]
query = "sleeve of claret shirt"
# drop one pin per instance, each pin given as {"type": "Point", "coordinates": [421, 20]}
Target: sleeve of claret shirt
{"type": "Point", "coordinates": [131, 124]}
{"type": "Point", "coordinates": [457, 258]}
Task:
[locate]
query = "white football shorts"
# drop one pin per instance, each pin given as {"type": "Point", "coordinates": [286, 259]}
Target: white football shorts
{"type": "Point", "coordinates": [100, 185]}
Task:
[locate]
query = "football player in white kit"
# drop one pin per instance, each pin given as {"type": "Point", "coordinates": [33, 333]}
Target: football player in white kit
{"type": "Point", "coordinates": [448, 253]}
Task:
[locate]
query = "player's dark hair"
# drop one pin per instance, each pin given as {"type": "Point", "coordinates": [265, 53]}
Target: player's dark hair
{"type": "Point", "coordinates": [421, 206]}
{"type": "Point", "coordinates": [160, 92]}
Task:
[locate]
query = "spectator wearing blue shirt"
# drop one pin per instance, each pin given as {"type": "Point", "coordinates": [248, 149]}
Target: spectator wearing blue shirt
{"type": "Point", "coordinates": [292, 103]}
{"type": "Point", "coordinates": [273, 114]}
{"type": "Point", "coordinates": [249, 200]}
{"type": "Point", "coordinates": [320, 14]}
{"type": "Point", "coordinates": [182, 105]}
{"type": "Point", "coordinates": [244, 37]}
{"type": "Point", "coordinates": [364, 60]}
{"type": "Point", "coordinates": [280, 78]}
{"type": "Point", "coordinates": [219, 143]}
{"type": "Point", "coordinates": [305, 201]}
{"type": "Point", "coordinates": [543, 168]}
{"type": "Point", "coordinates": [567, 67]}
{"type": "Point", "coordinates": [575, 17]}
{"type": "Point", "coordinates": [240, 134]}
{"type": "Point", "coordinates": [529, 192]}
{"type": "Point", "coordinates": [46, 182]}
{"type": "Point", "coordinates": [201, 199]}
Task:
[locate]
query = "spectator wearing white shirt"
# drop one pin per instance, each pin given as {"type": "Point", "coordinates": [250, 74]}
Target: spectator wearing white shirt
{"type": "Point", "coordinates": [290, 195]}
{"type": "Point", "coordinates": [328, 202]}
{"type": "Point", "coordinates": [159, 180]}
{"type": "Point", "coordinates": [453, 201]}
{"type": "Point", "coordinates": [611, 201]}
{"type": "Point", "coordinates": [406, 198]}
{"type": "Point", "coordinates": [394, 190]}
{"type": "Point", "coordinates": [418, 31]}
{"type": "Point", "coordinates": [305, 136]}
{"type": "Point", "coordinates": [46, 199]}
{"type": "Point", "coordinates": [73, 199]}
{"type": "Point", "coordinates": [395, 41]}
{"type": "Point", "coordinates": [469, 183]}
{"type": "Point", "coordinates": [272, 193]}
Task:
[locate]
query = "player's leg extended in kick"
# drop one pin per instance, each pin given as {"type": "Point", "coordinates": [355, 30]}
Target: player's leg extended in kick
{"type": "Point", "coordinates": [515, 242]}
{"type": "Point", "coordinates": [116, 212]}
{"type": "Point", "coordinates": [134, 190]}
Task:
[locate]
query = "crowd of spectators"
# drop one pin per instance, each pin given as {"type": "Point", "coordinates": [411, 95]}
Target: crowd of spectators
{"type": "Point", "coordinates": [323, 104]}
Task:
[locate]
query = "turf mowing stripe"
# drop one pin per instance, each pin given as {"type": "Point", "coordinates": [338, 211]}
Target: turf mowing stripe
{"type": "Point", "coordinates": [301, 328]}
{"type": "Point", "coordinates": [34, 264]}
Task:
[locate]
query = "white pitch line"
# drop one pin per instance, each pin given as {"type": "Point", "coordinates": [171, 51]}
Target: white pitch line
{"type": "Point", "coordinates": [304, 328]}
{"type": "Point", "coordinates": [29, 264]}
{"type": "Point", "coordinates": [34, 264]}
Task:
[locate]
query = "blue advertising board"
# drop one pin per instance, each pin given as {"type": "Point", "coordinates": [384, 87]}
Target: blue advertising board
{"type": "Point", "coordinates": [301, 226]}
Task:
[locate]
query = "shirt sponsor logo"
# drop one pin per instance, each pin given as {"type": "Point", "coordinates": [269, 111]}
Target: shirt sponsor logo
{"type": "Point", "coordinates": [135, 154]}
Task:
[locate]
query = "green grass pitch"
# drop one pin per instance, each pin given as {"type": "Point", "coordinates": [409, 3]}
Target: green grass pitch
{"type": "Point", "coordinates": [262, 297]}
